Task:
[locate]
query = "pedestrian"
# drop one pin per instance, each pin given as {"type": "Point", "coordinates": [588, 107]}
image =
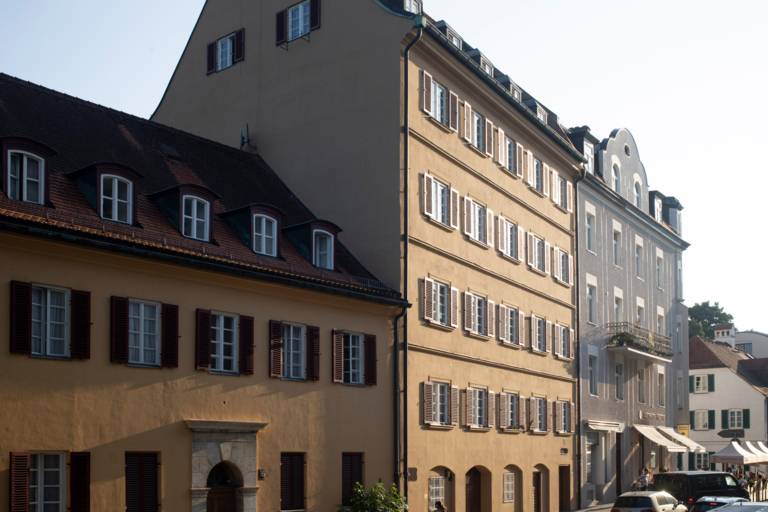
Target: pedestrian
{"type": "Point", "coordinates": [643, 480]}
{"type": "Point", "coordinates": [439, 507]}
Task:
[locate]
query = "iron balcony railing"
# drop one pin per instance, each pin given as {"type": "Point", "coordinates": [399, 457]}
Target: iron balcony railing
{"type": "Point", "coordinates": [627, 334]}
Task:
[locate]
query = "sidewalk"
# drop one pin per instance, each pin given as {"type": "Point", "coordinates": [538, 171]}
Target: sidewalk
{"type": "Point", "coordinates": [596, 508]}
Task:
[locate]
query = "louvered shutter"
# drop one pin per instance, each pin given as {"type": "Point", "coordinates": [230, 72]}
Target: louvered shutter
{"type": "Point", "coordinates": [275, 349]}
{"type": "Point", "coordinates": [521, 328]}
{"type": "Point", "coordinates": [313, 353]}
{"type": "Point", "coordinates": [530, 170]}
{"type": "Point", "coordinates": [337, 356]}
{"type": "Point", "coordinates": [80, 481]}
{"type": "Point", "coordinates": [569, 198]}
{"type": "Point", "coordinates": [491, 410]}
{"type": "Point", "coordinates": [534, 333]}
{"type": "Point", "coordinates": [522, 414]}
{"type": "Point", "coordinates": [370, 360]}
{"type": "Point", "coordinates": [555, 184]}
{"type": "Point", "coordinates": [141, 482]}
{"type": "Point", "coordinates": [314, 14]}
{"type": "Point", "coordinates": [18, 474]}
{"type": "Point", "coordinates": [490, 318]}
{"type": "Point", "coordinates": [556, 264]}
{"type": "Point", "coordinates": [488, 138]}
{"type": "Point", "coordinates": [557, 339]}
{"type": "Point", "coordinates": [21, 318]}
{"type": "Point", "coordinates": [426, 184]}
{"type": "Point", "coordinates": [80, 324]}
{"type": "Point", "coordinates": [570, 270]}
{"type": "Point", "coordinates": [427, 402]}
{"type": "Point", "coordinates": [573, 344]}
{"type": "Point", "coordinates": [245, 345]}
{"type": "Point", "coordinates": [455, 201]}
{"type": "Point", "coordinates": [239, 51]}
{"type": "Point", "coordinates": [531, 250]}
{"type": "Point", "coordinates": [281, 28]}
{"type": "Point", "coordinates": [501, 150]}
{"type": "Point", "coordinates": [548, 336]}
{"type": "Point", "coordinates": [556, 416]}
{"type": "Point", "coordinates": [503, 410]}
{"type": "Point", "coordinates": [468, 312]}
{"type": "Point", "coordinates": [454, 307]}
{"type": "Point", "coordinates": [571, 410]}
{"type": "Point", "coordinates": [502, 235]}
{"type": "Point", "coordinates": [548, 418]}
{"type": "Point", "coordinates": [503, 323]}
{"type": "Point", "coordinates": [745, 418]}
{"type": "Point", "coordinates": [351, 474]}
{"type": "Point", "coordinates": [202, 339]}
{"type": "Point", "coordinates": [454, 405]}
{"type": "Point", "coordinates": [520, 243]}
{"type": "Point", "coordinates": [546, 176]}
{"type": "Point", "coordinates": [468, 212]}
{"type": "Point", "coordinates": [470, 406]}
{"type": "Point", "coordinates": [118, 328]}
{"type": "Point", "coordinates": [453, 114]}
{"type": "Point", "coordinates": [211, 58]}
{"type": "Point", "coordinates": [427, 299]}
{"type": "Point", "coordinates": [520, 157]}
{"type": "Point", "coordinates": [169, 355]}
{"type": "Point", "coordinates": [426, 92]}
{"type": "Point", "coordinates": [489, 227]}
{"type": "Point", "coordinates": [547, 251]}
{"type": "Point", "coordinates": [467, 122]}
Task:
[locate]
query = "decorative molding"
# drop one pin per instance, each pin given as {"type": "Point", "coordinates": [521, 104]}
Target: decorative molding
{"type": "Point", "coordinates": [228, 427]}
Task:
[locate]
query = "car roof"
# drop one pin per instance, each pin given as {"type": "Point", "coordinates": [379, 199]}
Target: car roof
{"type": "Point", "coordinates": [740, 507]}
{"type": "Point", "coordinates": [692, 473]}
{"type": "Point", "coordinates": [643, 493]}
{"type": "Point", "coordinates": [721, 499]}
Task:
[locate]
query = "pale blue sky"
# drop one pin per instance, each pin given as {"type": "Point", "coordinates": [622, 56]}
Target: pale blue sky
{"type": "Point", "coordinates": [688, 78]}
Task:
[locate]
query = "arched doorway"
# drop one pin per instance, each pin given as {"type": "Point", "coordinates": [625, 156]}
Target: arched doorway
{"type": "Point", "coordinates": [440, 489]}
{"type": "Point", "coordinates": [540, 488]}
{"type": "Point", "coordinates": [224, 481]}
{"type": "Point", "coordinates": [478, 490]}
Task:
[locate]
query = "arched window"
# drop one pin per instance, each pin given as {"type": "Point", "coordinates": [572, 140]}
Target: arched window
{"type": "Point", "coordinates": [264, 235]}
{"type": "Point", "coordinates": [196, 221]}
{"type": "Point", "coordinates": [26, 177]}
{"type": "Point", "coordinates": [440, 489]}
{"type": "Point", "coordinates": [116, 199]}
{"type": "Point", "coordinates": [638, 195]}
{"type": "Point", "coordinates": [616, 179]}
{"type": "Point", "coordinates": [322, 249]}
{"type": "Point", "coordinates": [512, 486]}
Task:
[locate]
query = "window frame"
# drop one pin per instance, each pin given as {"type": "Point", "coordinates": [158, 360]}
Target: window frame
{"type": "Point", "coordinates": [305, 21]}
{"type": "Point", "coordinates": [540, 340]}
{"type": "Point", "coordinates": [508, 486]}
{"type": "Point", "coordinates": [441, 304]}
{"type": "Point", "coordinates": [480, 404]}
{"type": "Point", "coordinates": [23, 178]}
{"type": "Point", "coordinates": [440, 106]}
{"type": "Point", "coordinates": [703, 380]}
{"type": "Point", "coordinates": [590, 228]}
{"type": "Point", "coordinates": [514, 410]}
{"type": "Point", "coordinates": [230, 39]}
{"type": "Point", "coordinates": [441, 404]}
{"type": "Point", "coordinates": [538, 176]}
{"type": "Point", "coordinates": [115, 199]}
{"type": "Point", "coordinates": [347, 339]}
{"type": "Point", "coordinates": [37, 461]}
{"type": "Point", "coordinates": [639, 261]}
{"type": "Point", "coordinates": [263, 219]}
{"type": "Point", "coordinates": [479, 314]}
{"type": "Point", "coordinates": [539, 413]}
{"type": "Point", "coordinates": [616, 248]}
{"type": "Point", "coordinates": [478, 231]}
{"type": "Point", "coordinates": [589, 154]}
{"type": "Point", "coordinates": [316, 255]}
{"type": "Point", "coordinates": [194, 219]}
{"type": "Point", "coordinates": [439, 482]}
{"type": "Point", "coordinates": [441, 202]}
{"type": "Point", "coordinates": [478, 131]}
{"type": "Point", "coordinates": [638, 195]}
{"type": "Point", "coordinates": [661, 389]}
{"type": "Point", "coordinates": [616, 178]}
{"type": "Point", "coordinates": [733, 415]}
{"type": "Point", "coordinates": [619, 381]}
{"type": "Point", "coordinates": [701, 424]}
{"type": "Point", "coordinates": [45, 322]}
{"type": "Point", "coordinates": [592, 378]}
{"type": "Point", "coordinates": [591, 304]}
{"type": "Point", "coordinates": [565, 341]}
{"type": "Point", "coordinates": [217, 345]}
{"type": "Point", "coordinates": [142, 334]}
{"type": "Point", "coordinates": [288, 368]}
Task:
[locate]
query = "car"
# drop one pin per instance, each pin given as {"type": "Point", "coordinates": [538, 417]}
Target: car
{"type": "Point", "coordinates": [745, 506]}
{"type": "Point", "coordinates": [706, 503]}
{"type": "Point", "coordinates": [647, 501]}
{"type": "Point", "coordinates": [689, 486]}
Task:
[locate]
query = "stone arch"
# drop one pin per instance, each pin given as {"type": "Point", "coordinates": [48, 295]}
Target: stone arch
{"type": "Point", "coordinates": [516, 486]}
{"type": "Point", "coordinates": [224, 484]}
{"type": "Point", "coordinates": [441, 487]}
{"type": "Point", "coordinates": [478, 489]}
{"type": "Point", "coordinates": [541, 488]}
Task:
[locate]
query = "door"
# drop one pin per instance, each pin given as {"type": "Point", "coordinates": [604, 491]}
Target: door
{"type": "Point", "coordinates": [474, 489]}
{"type": "Point", "coordinates": [537, 491]}
{"type": "Point", "coordinates": [564, 488]}
{"type": "Point", "coordinates": [222, 499]}
{"type": "Point", "coordinates": [619, 462]}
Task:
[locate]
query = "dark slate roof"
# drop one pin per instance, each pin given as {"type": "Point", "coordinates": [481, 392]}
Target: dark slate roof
{"type": "Point", "coordinates": [82, 134]}
{"type": "Point", "coordinates": [755, 371]}
{"type": "Point", "coordinates": [711, 354]}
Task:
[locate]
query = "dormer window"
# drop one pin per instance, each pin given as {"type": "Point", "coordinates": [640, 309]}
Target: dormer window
{"type": "Point", "coordinates": [196, 218]}
{"type": "Point", "coordinates": [589, 154]}
{"type": "Point", "coordinates": [116, 199]}
{"type": "Point", "coordinates": [638, 195]}
{"type": "Point", "coordinates": [616, 185]}
{"type": "Point", "coordinates": [412, 6]}
{"type": "Point", "coordinates": [454, 38]}
{"type": "Point", "coordinates": [541, 114]}
{"type": "Point", "coordinates": [322, 249]}
{"type": "Point", "coordinates": [657, 210]}
{"type": "Point", "coordinates": [264, 235]}
{"type": "Point", "coordinates": [26, 177]}
{"type": "Point", "coordinates": [486, 66]}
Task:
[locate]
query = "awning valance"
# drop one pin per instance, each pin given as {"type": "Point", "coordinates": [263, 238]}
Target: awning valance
{"type": "Point", "coordinates": [655, 436]}
{"type": "Point", "coordinates": [605, 426]}
{"type": "Point", "coordinates": [734, 453]}
{"type": "Point", "coordinates": [689, 443]}
{"type": "Point", "coordinates": [757, 452]}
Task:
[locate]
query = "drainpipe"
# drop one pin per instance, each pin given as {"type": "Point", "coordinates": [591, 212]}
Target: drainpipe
{"type": "Point", "coordinates": [576, 281]}
{"type": "Point", "coordinates": [406, 137]}
{"type": "Point", "coordinates": [396, 392]}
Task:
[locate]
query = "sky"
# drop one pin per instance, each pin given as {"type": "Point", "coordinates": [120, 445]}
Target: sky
{"type": "Point", "coordinates": [689, 78]}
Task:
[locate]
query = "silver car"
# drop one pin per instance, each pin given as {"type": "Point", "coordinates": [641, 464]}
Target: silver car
{"type": "Point", "coordinates": [648, 501]}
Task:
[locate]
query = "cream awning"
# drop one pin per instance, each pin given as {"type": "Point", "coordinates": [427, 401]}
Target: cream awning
{"type": "Point", "coordinates": [757, 452]}
{"type": "Point", "coordinates": [689, 443]}
{"type": "Point", "coordinates": [734, 453]}
{"type": "Point", "coordinates": [655, 436]}
{"type": "Point", "coordinates": [605, 426]}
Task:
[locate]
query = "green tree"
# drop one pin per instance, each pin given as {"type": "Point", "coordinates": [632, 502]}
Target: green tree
{"type": "Point", "coordinates": [377, 499]}
{"type": "Point", "coordinates": [702, 318]}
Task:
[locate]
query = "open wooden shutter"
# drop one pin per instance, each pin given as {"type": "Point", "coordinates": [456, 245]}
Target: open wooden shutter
{"type": "Point", "coordinates": [170, 332]}
{"type": "Point", "coordinates": [118, 330]}
{"type": "Point", "coordinates": [573, 344]}
{"type": "Point", "coordinates": [520, 160]}
{"type": "Point", "coordinates": [490, 318]}
{"type": "Point", "coordinates": [18, 490]}
{"type": "Point", "coordinates": [454, 307]}
{"type": "Point", "coordinates": [202, 339]}
{"type": "Point", "coordinates": [239, 51]}
{"type": "Point", "coordinates": [489, 133]}
{"type": "Point", "coordinates": [80, 324]}
{"type": "Point", "coordinates": [426, 92]}
{"type": "Point", "coordinates": [467, 122]}
{"type": "Point", "coordinates": [21, 318]}
{"type": "Point", "coordinates": [520, 243]}
{"type": "Point", "coordinates": [314, 14]}
{"type": "Point", "coordinates": [491, 410]}
{"type": "Point", "coordinates": [489, 227]}
{"type": "Point", "coordinates": [570, 269]}
{"type": "Point", "coordinates": [370, 360]}
{"type": "Point", "coordinates": [454, 213]}
{"type": "Point", "coordinates": [426, 194]}
{"type": "Point", "coordinates": [453, 113]}
{"type": "Point", "coordinates": [468, 312]}
{"type": "Point", "coordinates": [571, 410]}
{"type": "Point", "coordinates": [522, 413]}
{"type": "Point", "coordinates": [502, 235]}
{"type": "Point", "coordinates": [556, 263]}
{"type": "Point", "coordinates": [427, 402]}
{"type": "Point", "coordinates": [503, 323]}
{"type": "Point", "coordinates": [501, 150]}
{"type": "Point", "coordinates": [313, 353]}
{"type": "Point", "coordinates": [531, 249]}
{"type": "Point", "coordinates": [548, 336]}
{"type": "Point", "coordinates": [469, 404]}
{"type": "Point", "coordinates": [454, 405]}
{"type": "Point", "coordinates": [468, 212]}
{"type": "Point", "coordinates": [569, 198]}
{"type": "Point", "coordinates": [80, 481]}
{"type": "Point", "coordinates": [547, 260]}
{"type": "Point", "coordinates": [275, 349]}
{"type": "Point", "coordinates": [556, 416]}
{"type": "Point", "coordinates": [555, 184]}
{"type": "Point", "coordinates": [246, 345]}
{"type": "Point", "coordinates": [503, 410]}
{"type": "Point", "coordinates": [521, 328]}
{"type": "Point", "coordinates": [211, 58]}
{"type": "Point", "coordinates": [557, 339]}
{"type": "Point", "coordinates": [281, 28]}
{"type": "Point", "coordinates": [337, 356]}
{"type": "Point", "coordinates": [427, 290]}
{"type": "Point", "coordinates": [546, 175]}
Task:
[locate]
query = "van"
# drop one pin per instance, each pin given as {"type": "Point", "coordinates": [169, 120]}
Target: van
{"type": "Point", "coordinates": [689, 486]}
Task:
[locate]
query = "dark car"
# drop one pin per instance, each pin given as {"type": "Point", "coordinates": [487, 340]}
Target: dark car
{"type": "Point", "coordinates": [689, 486]}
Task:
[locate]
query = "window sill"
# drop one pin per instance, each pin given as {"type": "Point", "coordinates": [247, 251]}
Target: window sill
{"type": "Point", "coordinates": [513, 259]}
{"type": "Point", "coordinates": [223, 373]}
{"type": "Point", "coordinates": [145, 366]}
{"type": "Point", "coordinates": [510, 430]}
{"type": "Point", "coordinates": [562, 208]}
{"type": "Point", "coordinates": [593, 324]}
{"type": "Point", "coordinates": [590, 251]}
{"type": "Point", "coordinates": [509, 171]}
{"type": "Point", "coordinates": [438, 426]}
{"type": "Point", "coordinates": [477, 150]}
{"type": "Point", "coordinates": [51, 358]}
{"type": "Point", "coordinates": [563, 434]}
{"type": "Point", "coordinates": [536, 270]}
{"type": "Point", "coordinates": [478, 428]}
{"type": "Point", "coordinates": [563, 358]}
{"type": "Point", "coordinates": [438, 325]}
{"type": "Point", "coordinates": [539, 432]}
{"type": "Point", "coordinates": [481, 337]}
{"type": "Point", "coordinates": [446, 128]}
{"type": "Point", "coordinates": [290, 379]}
{"type": "Point", "coordinates": [536, 191]}
{"type": "Point", "coordinates": [539, 352]}
{"type": "Point", "coordinates": [440, 224]}
{"type": "Point", "coordinates": [641, 278]}
{"type": "Point", "coordinates": [563, 283]}
{"type": "Point", "coordinates": [477, 242]}
{"type": "Point", "coordinates": [510, 344]}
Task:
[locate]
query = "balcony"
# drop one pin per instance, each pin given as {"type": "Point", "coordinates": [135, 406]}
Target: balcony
{"type": "Point", "coordinates": [634, 338]}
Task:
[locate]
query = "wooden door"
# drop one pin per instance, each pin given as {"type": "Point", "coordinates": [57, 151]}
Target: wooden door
{"type": "Point", "coordinates": [537, 491]}
{"type": "Point", "coordinates": [619, 463]}
{"type": "Point", "coordinates": [222, 499]}
{"type": "Point", "coordinates": [474, 490]}
{"type": "Point", "coordinates": [564, 488]}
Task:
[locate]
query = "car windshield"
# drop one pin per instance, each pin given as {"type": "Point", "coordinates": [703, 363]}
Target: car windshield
{"type": "Point", "coordinates": [673, 484]}
{"type": "Point", "coordinates": [704, 506]}
{"type": "Point", "coordinates": [633, 502]}
{"type": "Point", "coordinates": [716, 481]}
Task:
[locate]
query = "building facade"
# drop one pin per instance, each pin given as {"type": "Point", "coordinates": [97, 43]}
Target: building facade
{"type": "Point", "coordinates": [752, 342]}
{"type": "Point", "coordinates": [184, 333]}
{"type": "Point", "coordinates": [458, 189]}
{"type": "Point", "coordinates": [633, 323]}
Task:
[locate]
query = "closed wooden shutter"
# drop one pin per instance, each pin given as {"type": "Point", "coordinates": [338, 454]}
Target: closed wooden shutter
{"type": "Point", "coordinates": [454, 307]}
{"type": "Point", "coordinates": [337, 356]}
{"type": "Point", "coordinates": [571, 410]}
{"type": "Point", "coordinates": [453, 114]}
{"type": "Point", "coordinates": [170, 336]}
{"type": "Point", "coordinates": [239, 51]}
{"type": "Point", "coordinates": [80, 324]}
{"type": "Point", "coordinates": [141, 482]}
{"type": "Point", "coordinates": [351, 474]}
{"type": "Point", "coordinates": [211, 58]}
{"type": "Point", "coordinates": [313, 353]}
{"type": "Point", "coordinates": [547, 181]}
{"type": "Point", "coordinates": [281, 28]}
{"type": "Point", "coordinates": [555, 416]}
{"type": "Point", "coordinates": [531, 250]}
{"type": "Point", "coordinates": [18, 473]}
{"type": "Point", "coordinates": [454, 405]}
{"type": "Point", "coordinates": [202, 339]}
{"type": "Point", "coordinates": [275, 349]}
{"type": "Point", "coordinates": [427, 402]}
{"type": "Point", "coordinates": [21, 318]}
{"type": "Point", "coordinates": [118, 330]}
{"type": "Point", "coordinates": [454, 213]}
{"type": "Point", "coordinates": [426, 92]}
{"type": "Point", "coordinates": [469, 408]}
{"type": "Point", "coordinates": [291, 481]}
{"type": "Point", "coordinates": [245, 345]}
{"type": "Point", "coordinates": [314, 14]}
{"type": "Point", "coordinates": [370, 360]}
{"type": "Point", "coordinates": [80, 481]}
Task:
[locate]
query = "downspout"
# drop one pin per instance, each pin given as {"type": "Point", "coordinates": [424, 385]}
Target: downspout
{"type": "Point", "coordinates": [577, 323]}
{"type": "Point", "coordinates": [406, 137]}
{"type": "Point", "coordinates": [396, 392]}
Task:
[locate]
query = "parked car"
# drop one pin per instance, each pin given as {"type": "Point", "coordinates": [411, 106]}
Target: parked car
{"type": "Point", "coordinates": [745, 506]}
{"type": "Point", "coordinates": [647, 501]}
{"type": "Point", "coordinates": [689, 486]}
{"type": "Point", "coordinates": [707, 503]}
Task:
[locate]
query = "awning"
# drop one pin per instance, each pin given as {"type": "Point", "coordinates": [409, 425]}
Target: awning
{"type": "Point", "coordinates": [733, 453]}
{"type": "Point", "coordinates": [757, 452]}
{"type": "Point", "coordinates": [655, 436]}
{"type": "Point", "coordinates": [762, 446]}
{"type": "Point", "coordinates": [605, 426]}
{"type": "Point", "coordinates": [689, 443]}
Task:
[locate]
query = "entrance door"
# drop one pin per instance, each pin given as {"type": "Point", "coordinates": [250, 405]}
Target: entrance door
{"type": "Point", "coordinates": [619, 462]}
{"type": "Point", "coordinates": [564, 489]}
{"type": "Point", "coordinates": [537, 491]}
{"type": "Point", "coordinates": [474, 489]}
{"type": "Point", "coordinates": [222, 499]}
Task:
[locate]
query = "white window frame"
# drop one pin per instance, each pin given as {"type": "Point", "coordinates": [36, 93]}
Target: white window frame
{"type": "Point", "coordinates": [618, 308]}
{"type": "Point", "coordinates": [701, 461]}
{"type": "Point", "coordinates": [700, 384]}
{"type": "Point", "coordinates": [510, 146]}
{"type": "Point", "coordinates": [619, 381]}
{"type": "Point", "coordinates": [701, 419]}
{"type": "Point", "coordinates": [590, 227]}
{"type": "Point", "coordinates": [592, 304]}
{"type": "Point", "coordinates": [436, 491]}
{"type": "Point", "coordinates": [539, 254]}
{"type": "Point", "coordinates": [509, 239]}
{"type": "Point", "coordinates": [23, 179]}
{"type": "Point", "coordinates": [478, 228]}
{"type": "Point", "coordinates": [264, 242]}
{"type": "Point", "coordinates": [441, 202]}
{"type": "Point", "coordinates": [217, 342]}
{"type": "Point", "coordinates": [638, 261]}
{"type": "Point", "coordinates": [353, 368]}
{"type": "Point", "coordinates": [478, 131]}
{"type": "Point", "coordinates": [479, 314]}
{"type": "Point", "coordinates": [142, 334]}
{"type": "Point", "coordinates": [441, 403]}
{"type": "Point", "coordinates": [441, 303]}
{"type": "Point", "coordinates": [440, 107]}
{"type": "Point", "coordinates": [37, 481]}
{"type": "Point", "coordinates": [225, 52]}
{"type": "Point", "coordinates": [616, 178]}
{"type": "Point", "coordinates": [301, 25]}
{"type": "Point", "coordinates": [659, 271]}
{"type": "Point", "coordinates": [592, 370]}
{"type": "Point", "coordinates": [735, 418]}
{"type": "Point", "coordinates": [480, 403]}
{"type": "Point", "coordinates": [513, 407]}
{"type": "Point", "coordinates": [539, 413]}
{"type": "Point", "coordinates": [508, 494]}
{"type": "Point", "coordinates": [293, 345]}
{"type": "Point", "coordinates": [538, 175]}
{"type": "Point", "coordinates": [539, 338]}
{"type": "Point", "coordinates": [115, 200]}
{"type": "Point", "coordinates": [565, 341]}
{"type": "Point", "coordinates": [589, 154]}
{"type": "Point", "coordinates": [194, 219]}
{"type": "Point", "coordinates": [45, 338]}
{"type": "Point", "coordinates": [616, 247]}
{"type": "Point", "coordinates": [638, 194]}
{"type": "Point", "coordinates": [317, 254]}
{"type": "Point", "coordinates": [564, 416]}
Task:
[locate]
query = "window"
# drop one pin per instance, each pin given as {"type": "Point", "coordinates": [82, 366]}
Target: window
{"type": "Point", "coordinates": [744, 347]}
{"type": "Point", "coordinates": [143, 333]}
{"type": "Point", "coordinates": [589, 154]}
{"type": "Point", "coordinates": [294, 351]}
{"type": "Point", "coordinates": [618, 308]}
{"type": "Point", "coordinates": [661, 324]}
{"type": "Point", "coordinates": [353, 359]}
{"type": "Point", "coordinates": [619, 381]}
{"type": "Point", "coordinates": [323, 250]}
{"type": "Point", "coordinates": [641, 383]}
{"type": "Point", "coordinates": [441, 296]}
{"type": "Point", "coordinates": [439, 107]}
{"type": "Point", "coordinates": [509, 487]}
{"type": "Point", "coordinates": [264, 235]}
{"type": "Point", "coordinates": [541, 114]}
{"type": "Point", "coordinates": [116, 199]}
{"type": "Point", "coordinates": [564, 198]}
{"type": "Point", "coordinates": [292, 481]}
{"type": "Point", "coordinates": [196, 218]}
{"type": "Point", "coordinates": [700, 384]}
{"type": "Point", "coordinates": [509, 325]}
{"type": "Point", "coordinates": [225, 52]}
{"type": "Point", "coordinates": [616, 185]}
{"type": "Point", "coordinates": [47, 483]}
{"type": "Point", "coordinates": [478, 221]}
{"type": "Point", "coordinates": [351, 473]}
{"type": "Point", "coordinates": [509, 239]}
{"type": "Point", "coordinates": [26, 177]}
{"type": "Point", "coordinates": [511, 161]}
{"type": "Point", "coordinates": [638, 195]}
{"type": "Point", "coordinates": [441, 403]}
{"type": "Point", "coordinates": [478, 131]}
{"type": "Point", "coordinates": [735, 418]}
{"type": "Point", "coordinates": [590, 232]}
{"type": "Point", "coordinates": [701, 420]}
{"type": "Point", "coordinates": [538, 176]}
{"type": "Point", "coordinates": [223, 342]}
{"type": "Point", "coordinates": [592, 304]}
{"type": "Point", "coordinates": [639, 261]}
{"type": "Point", "coordinates": [562, 266]}
{"type": "Point", "coordinates": [436, 492]}
{"type": "Point", "coordinates": [657, 210]}
{"type": "Point", "coordinates": [514, 410]}
{"type": "Point", "coordinates": [537, 253]}
{"type": "Point", "coordinates": [298, 21]}
{"type": "Point", "coordinates": [659, 271]}
{"type": "Point", "coordinates": [477, 313]}
{"type": "Point", "coordinates": [454, 38]}
{"type": "Point", "coordinates": [539, 334]}
{"type": "Point", "coordinates": [50, 321]}
{"type": "Point", "coordinates": [592, 375]}
{"type": "Point", "coordinates": [141, 482]}
{"type": "Point", "coordinates": [479, 403]}
{"type": "Point", "coordinates": [486, 66]}
{"type": "Point", "coordinates": [640, 319]}
{"type": "Point", "coordinates": [412, 6]}
{"type": "Point", "coordinates": [539, 411]}
{"type": "Point", "coordinates": [701, 461]}
{"type": "Point", "coordinates": [565, 341]}
{"type": "Point", "coordinates": [563, 417]}
{"type": "Point", "coordinates": [590, 450]}
{"type": "Point", "coordinates": [441, 202]}
{"type": "Point", "coordinates": [617, 248]}
{"type": "Point", "coordinates": [662, 389]}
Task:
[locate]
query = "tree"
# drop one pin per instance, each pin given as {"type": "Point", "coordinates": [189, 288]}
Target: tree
{"type": "Point", "coordinates": [702, 318]}
{"type": "Point", "coordinates": [377, 499]}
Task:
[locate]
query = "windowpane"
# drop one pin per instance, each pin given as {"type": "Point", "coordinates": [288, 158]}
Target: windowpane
{"type": "Point", "coordinates": [223, 343]}
{"type": "Point", "coordinates": [49, 321]}
{"type": "Point", "coordinates": [15, 173]}
{"type": "Point", "coordinates": [353, 359]}
{"type": "Point", "coordinates": [32, 180]}
{"type": "Point", "coordinates": [143, 333]}
{"type": "Point", "coordinates": [46, 489]}
{"type": "Point", "coordinates": [294, 346]}
{"type": "Point", "coordinates": [323, 250]}
{"type": "Point", "coordinates": [196, 219]}
{"type": "Point", "coordinates": [298, 20]}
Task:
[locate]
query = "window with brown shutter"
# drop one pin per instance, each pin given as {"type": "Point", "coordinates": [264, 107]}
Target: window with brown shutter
{"type": "Point", "coordinates": [19, 481]}
{"type": "Point", "coordinates": [239, 50]}
{"type": "Point", "coordinates": [118, 330]}
{"type": "Point", "coordinates": [21, 318]}
{"type": "Point", "coordinates": [202, 339]}
{"type": "Point", "coordinates": [314, 14]}
{"type": "Point", "coordinates": [80, 325]}
{"type": "Point", "coordinates": [211, 58]}
{"type": "Point", "coordinates": [313, 353]}
{"type": "Point", "coordinates": [281, 27]}
{"type": "Point", "coordinates": [246, 345]}
{"type": "Point", "coordinates": [370, 360]}
{"type": "Point", "coordinates": [291, 481]}
{"type": "Point", "coordinates": [351, 474]}
{"type": "Point", "coordinates": [427, 401]}
{"type": "Point", "coordinates": [141, 482]}
{"type": "Point", "coordinates": [80, 481]}
{"type": "Point", "coordinates": [170, 336]}
{"type": "Point", "coordinates": [275, 349]}
{"type": "Point", "coordinates": [337, 356]}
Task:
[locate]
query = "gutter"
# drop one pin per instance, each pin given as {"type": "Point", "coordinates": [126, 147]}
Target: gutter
{"type": "Point", "coordinates": [577, 323]}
